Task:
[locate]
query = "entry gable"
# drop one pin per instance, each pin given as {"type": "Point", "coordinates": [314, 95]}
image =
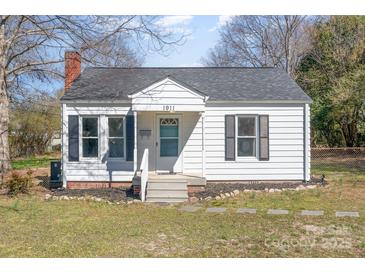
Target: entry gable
{"type": "Point", "coordinates": [169, 95]}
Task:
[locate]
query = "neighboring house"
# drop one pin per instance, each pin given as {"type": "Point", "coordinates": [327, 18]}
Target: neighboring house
{"type": "Point", "coordinates": [194, 124]}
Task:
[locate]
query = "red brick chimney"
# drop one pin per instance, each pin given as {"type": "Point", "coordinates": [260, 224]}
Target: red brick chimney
{"type": "Point", "coordinates": [72, 67]}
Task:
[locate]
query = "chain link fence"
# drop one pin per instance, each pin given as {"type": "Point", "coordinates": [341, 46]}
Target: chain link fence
{"type": "Point", "coordinates": [338, 160]}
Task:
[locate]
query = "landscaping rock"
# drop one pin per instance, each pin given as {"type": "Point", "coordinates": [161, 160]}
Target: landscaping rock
{"type": "Point", "coordinates": [48, 196]}
{"type": "Point", "coordinates": [193, 199]}
{"type": "Point", "coordinates": [208, 198]}
{"type": "Point", "coordinates": [227, 195]}
{"type": "Point", "coordinates": [271, 190]}
{"type": "Point", "coordinates": [236, 192]}
{"type": "Point", "coordinates": [218, 197]}
{"type": "Point", "coordinates": [215, 189]}
{"type": "Point", "coordinates": [311, 186]}
{"type": "Point", "coordinates": [300, 187]}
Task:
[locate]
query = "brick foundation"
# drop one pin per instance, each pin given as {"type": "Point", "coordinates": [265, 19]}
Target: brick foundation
{"type": "Point", "coordinates": [194, 189]}
{"type": "Point", "coordinates": [86, 185]}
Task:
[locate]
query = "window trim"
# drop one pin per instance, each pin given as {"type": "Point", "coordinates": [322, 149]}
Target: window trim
{"type": "Point", "coordinates": [124, 137]}
{"type": "Point", "coordinates": [254, 157]}
{"type": "Point", "coordinates": [81, 156]}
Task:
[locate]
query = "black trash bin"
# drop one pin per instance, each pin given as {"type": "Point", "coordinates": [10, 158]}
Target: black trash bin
{"type": "Point", "coordinates": [56, 175]}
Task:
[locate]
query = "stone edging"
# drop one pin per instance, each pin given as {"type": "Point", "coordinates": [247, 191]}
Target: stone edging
{"type": "Point", "coordinates": [236, 192]}
{"type": "Point", "coordinates": [89, 198]}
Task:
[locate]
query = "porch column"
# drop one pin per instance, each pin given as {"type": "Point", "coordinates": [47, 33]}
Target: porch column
{"type": "Point", "coordinates": [135, 142]}
{"type": "Point", "coordinates": [203, 143]}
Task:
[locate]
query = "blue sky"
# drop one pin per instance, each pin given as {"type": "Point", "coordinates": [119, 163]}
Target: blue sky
{"type": "Point", "coordinates": [203, 32]}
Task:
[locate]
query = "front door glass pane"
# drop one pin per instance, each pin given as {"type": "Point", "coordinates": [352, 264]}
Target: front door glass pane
{"type": "Point", "coordinates": [169, 137]}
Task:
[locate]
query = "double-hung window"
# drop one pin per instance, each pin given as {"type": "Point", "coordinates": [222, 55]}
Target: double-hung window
{"type": "Point", "coordinates": [116, 137]}
{"type": "Point", "coordinates": [246, 136]}
{"type": "Point", "coordinates": [90, 139]}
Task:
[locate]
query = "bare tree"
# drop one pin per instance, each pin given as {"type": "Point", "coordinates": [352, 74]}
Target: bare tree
{"type": "Point", "coordinates": [262, 41]}
{"type": "Point", "coordinates": [32, 47]}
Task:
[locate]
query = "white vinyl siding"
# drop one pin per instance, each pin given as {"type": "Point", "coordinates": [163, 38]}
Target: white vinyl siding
{"type": "Point", "coordinates": [102, 168]}
{"type": "Point", "coordinates": [167, 94]}
{"type": "Point", "coordinates": [285, 143]}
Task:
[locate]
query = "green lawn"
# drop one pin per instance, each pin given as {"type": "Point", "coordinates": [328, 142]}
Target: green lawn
{"type": "Point", "coordinates": [34, 161]}
{"type": "Point", "coordinates": [33, 227]}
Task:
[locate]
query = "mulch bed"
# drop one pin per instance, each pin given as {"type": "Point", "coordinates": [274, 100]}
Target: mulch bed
{"type": "Point", "coordinates": [215, 189]}
{"type": "Point", "coordinates": [110, 194]}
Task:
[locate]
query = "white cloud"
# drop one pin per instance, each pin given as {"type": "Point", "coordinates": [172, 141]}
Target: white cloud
{"type": "Point", "coordinates": [179, 24]}
{"type": "Point", "coordinates": [172, 20]}
{"type": "Point", "coordinates": [222, 21]}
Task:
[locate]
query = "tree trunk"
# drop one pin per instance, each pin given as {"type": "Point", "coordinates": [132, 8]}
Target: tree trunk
{"type": "Point", "coordinates": [349, 132]}
{"type": "Point", "coordinates": [4, 108]}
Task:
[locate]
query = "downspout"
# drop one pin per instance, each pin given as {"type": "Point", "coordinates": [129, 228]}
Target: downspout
{"type": "Point", "coordinates": [305, 142]}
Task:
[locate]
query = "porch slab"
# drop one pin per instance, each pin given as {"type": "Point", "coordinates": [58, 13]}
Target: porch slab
{"type": "Point", "coordinates": [353, 214]}
{"type": "Point", "coordinates": [278, 212]}
{"type": "Point", "coordinates": [246, 210]}
{"type": "Point", "coordinates": [312, 213]}
{"type": "Point", "coordinates": [216, 209]}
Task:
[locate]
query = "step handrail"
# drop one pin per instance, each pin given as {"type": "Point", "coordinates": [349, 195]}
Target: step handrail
{"type": "Point", "coordinates": [144, 174]}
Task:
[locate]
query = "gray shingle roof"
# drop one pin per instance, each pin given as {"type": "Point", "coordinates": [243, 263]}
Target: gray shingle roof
{"type": "Point", "coordinates": [220, 84]}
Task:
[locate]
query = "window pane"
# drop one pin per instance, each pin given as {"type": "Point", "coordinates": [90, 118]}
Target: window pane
{"type": "Point", "coordinates": [116, 148]}
{"type": "Point", "coordinates": [89, 147]}
{"type": "Point", "coordinates": [169, 131]}
{"type": "Point", "coordinates": [90, 127]}
{"type": "Point", "coordinates": [246, 147]}
{"type": "Point", "coordinates": [115, 127]}
{"type": "Point", "coordinates": [168, 147]}
{"type": "Point", "coordinates": [246, 126]}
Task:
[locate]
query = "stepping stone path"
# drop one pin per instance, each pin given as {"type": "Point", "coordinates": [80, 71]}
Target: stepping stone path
{"type": "Point", "coordinates": [312, 213]}
{"type": "Point", "coordinates": [190, 208]}
{"type": "Point", "coordinates": [353, 214]}
{"type": "Point", "coordinates": [278, 212]}
{"type": "Point", "coordinates": [216, 209]}
{"type": "Point", "coordinates": [246, 210]}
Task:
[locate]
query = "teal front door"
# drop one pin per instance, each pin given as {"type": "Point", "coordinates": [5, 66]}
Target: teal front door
{"type": "Point", "coordinates": [168, 143]}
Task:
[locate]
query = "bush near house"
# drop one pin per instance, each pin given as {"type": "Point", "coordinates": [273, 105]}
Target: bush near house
{"type": "Point", "coordinates": [18, 183]}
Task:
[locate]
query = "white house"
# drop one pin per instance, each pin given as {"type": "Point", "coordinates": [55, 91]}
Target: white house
{"type": "Point", "coordinates": [157, 126]}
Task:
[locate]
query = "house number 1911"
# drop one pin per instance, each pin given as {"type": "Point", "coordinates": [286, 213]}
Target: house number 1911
{"type": "Point", "coordinates": [168, 108]}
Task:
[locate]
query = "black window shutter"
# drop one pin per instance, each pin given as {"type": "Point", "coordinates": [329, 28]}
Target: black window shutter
{"type": "Point", "coordinates": [230, 143]}
{"type": "Point", "coordinates": [264, 138]}
{"type": "Point", "coordinates": [73, 138]}
{"type": "Point", "coordinates": [130, 137]}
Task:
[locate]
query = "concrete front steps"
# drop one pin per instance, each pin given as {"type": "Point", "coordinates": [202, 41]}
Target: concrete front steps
{"type": "Point", "coordinates": [166, 190]}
